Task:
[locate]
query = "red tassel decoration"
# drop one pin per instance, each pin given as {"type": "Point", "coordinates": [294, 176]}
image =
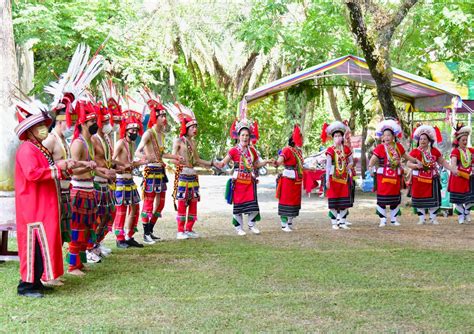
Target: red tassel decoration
{"type": "Point", "coordinates": [123, 126]}
{"type": "Point", "coordinates": [152, 120]}
{"type": "Point", "coordinates": [183, 129]}
{"type": "Point", "coordinates": [439, 137]}
{"type": "Point", "coordinates": [99, 114]}
{"type": "Point", "coordinates": [255, 131]}
{"type": "Point", "coordinates": [297, 137]}
{"type": "Point", "coordinates": [233, 134]}
{"type": "Point", "coordinates": [324, 135]}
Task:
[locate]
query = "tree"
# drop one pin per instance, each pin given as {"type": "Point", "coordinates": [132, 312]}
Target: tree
{"type": "Point", "coordinates": [374, 40]}
{"type": "Point", "coordinates": [8, 84]}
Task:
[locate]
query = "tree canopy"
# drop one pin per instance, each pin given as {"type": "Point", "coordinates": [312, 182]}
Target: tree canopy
{"type": "Point", "coordinates": [207, 54]}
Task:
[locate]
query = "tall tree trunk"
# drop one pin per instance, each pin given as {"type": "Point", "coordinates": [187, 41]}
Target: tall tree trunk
{"type": "Point", "coordinates": [26, 68]}
{"type": "Point", "coordinates": [8, 81]}
{"type": "Point", "coordinates": [333, 103]}
{"type": "Point", "coordinates": [376, 46]}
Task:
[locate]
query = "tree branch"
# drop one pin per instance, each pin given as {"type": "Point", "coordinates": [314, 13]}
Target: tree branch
{"type": "Point", "coordinates": [396, 19]}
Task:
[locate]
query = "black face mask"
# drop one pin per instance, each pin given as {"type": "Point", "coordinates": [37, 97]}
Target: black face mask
{"type": "Point", "coordinates": [133, 136]}
{"type": "Point", "coordinates": [93, 129]}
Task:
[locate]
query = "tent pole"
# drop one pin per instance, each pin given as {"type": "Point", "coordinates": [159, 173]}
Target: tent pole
{"type": "Point", "coordinates": [411, 126]}
{"type": "Point", "coordinates": [469, 123]}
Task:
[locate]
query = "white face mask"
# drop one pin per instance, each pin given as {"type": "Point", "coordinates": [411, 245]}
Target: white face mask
{"type": "Point", "coordinates": [116, 127]}
{"type": "Point", "coordinates": [68, 132]}
{"type": "Point", "coordinates": [107, 129]}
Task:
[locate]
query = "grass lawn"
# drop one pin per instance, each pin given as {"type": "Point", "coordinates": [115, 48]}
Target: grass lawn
{"type": "Point", "coordinates": [312, 280]}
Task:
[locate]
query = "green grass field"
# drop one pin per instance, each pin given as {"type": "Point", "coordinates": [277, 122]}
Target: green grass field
{"type": "Point", "coordinates": [312, 280]}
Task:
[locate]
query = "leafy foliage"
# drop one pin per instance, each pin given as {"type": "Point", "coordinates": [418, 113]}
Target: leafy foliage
{"type": "Point", "coordinates": [207, 56]}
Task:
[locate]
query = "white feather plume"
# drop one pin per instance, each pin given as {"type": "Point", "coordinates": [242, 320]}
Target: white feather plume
{"type": "Point", "coordinates": [78, 76]}
{"type": "Point", "coordinates": [177, 109]}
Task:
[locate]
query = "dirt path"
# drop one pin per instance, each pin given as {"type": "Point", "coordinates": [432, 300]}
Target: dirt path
{"type": "Point", "coordinates": [313, 224]}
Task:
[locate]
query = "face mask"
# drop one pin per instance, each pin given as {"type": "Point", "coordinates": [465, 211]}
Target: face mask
{"type": "Point", "coordinates": [107, 128]}
{"type": "Point", "coordinates": [93, 129]}
{"type": "Point", "coordinates": [116, 127]}
{"type": "Point", "coordinates": [338, 140]}
{"type": "Point", "coordinates": [68, 132]}
{"type": "Point", "coordinates": [133, 136]}
{"type": "Point", "coordinates": [42, 132]}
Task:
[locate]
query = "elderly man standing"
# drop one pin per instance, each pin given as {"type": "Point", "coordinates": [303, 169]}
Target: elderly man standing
{"type": "Point", "coordinates": [37, 201]}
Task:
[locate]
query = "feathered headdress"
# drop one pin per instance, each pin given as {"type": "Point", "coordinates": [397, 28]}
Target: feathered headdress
{"type": "Point", "coordinates": [331, 129]}
{"type": "Point", "coordinates": [460, 131]}
{"type": "Point", "coordinates": [30, 112]}
{"type": "Point", "coordinates": [245, 123]}
{"type": "Point", "coordinates": [181, 115]}
{"type": "Point", "coordinates": [433, 133]}
{"type": "Point", "coordinates": [112, 99]}
{"type": "Point", "coordinates": [389, 124]}
{"type": "Point", "coordinates": [154, 104]}
{"type": "Point", "coordinates": [132, 118]}
{"type": "Point", "coordinates": [85, 111]}
{"type": "Point", "coordinates": [103, 115]}
{"type": "Point", "coordinates": [71, 85]}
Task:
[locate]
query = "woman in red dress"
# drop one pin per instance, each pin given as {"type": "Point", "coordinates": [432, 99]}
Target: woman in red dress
{"type": "Point", "coordinates": [426, 186]}
{"type": "Point", "coordinates": [242, 188]}
{"type": "Point", "coordinates": [388, 156]}
{"type": "Point", "coordinates": [289, 183]}
{"type": "Point", "coordinates": [338, 175]}
{"type": "Point", "coordinates": [461, 186]}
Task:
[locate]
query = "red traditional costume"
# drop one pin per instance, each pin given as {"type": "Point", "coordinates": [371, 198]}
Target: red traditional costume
{"type": "Point", "coordinates": [154, 175]}
{"type": "Point", "coordinates": [289, 182]}
{"type": "Point", "coordinates": [66, 92]}
{"type": "Point", "coordinates": [242, 188]}
{"type": "Point", "coordinates": [389, 173]}
{"type": "Point", "coordinates": [426, 186]}
{"type": "Point", "coordinates": [65, 183]}
{"type": "Point", "coordinates": [37, 203]}
{"type": "Point", "coordinates": [83, 200]}
{"type": "Point", "coordinates": [186, 187]}
{"type": "Point", "coordinates": [338, 176]}
{"type": "Point", "coordinates": [104, 195]}
{"type": "Point", "coordinates": [126, 193]}
{"type": "Point", "coordinates": [461, 187]}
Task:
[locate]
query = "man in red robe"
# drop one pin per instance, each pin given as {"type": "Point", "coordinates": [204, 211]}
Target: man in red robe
{"type": "Point", "coordinates": [37, 201]}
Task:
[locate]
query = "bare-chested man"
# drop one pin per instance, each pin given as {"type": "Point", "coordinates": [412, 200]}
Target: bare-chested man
{"type": "Point", "coordinates": [187, 189]}
{"type": "Point", "coordinates": [59, 149]}
{"type": "Point", "coordinates": [103, 148]}
{"type": "Point", "coordinates": [83, 199]}
{"type": "Point", "coordinates": [126, 194]}
{"type": "Point", "coordinates": [152, 149]}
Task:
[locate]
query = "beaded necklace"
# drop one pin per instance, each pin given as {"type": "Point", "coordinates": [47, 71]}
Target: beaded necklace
{"type": "Point", "coordinates": [43, 150]}
{"type": "Point", "coordinates": [340, 158]}
{"type": "Point", "coordinates": [190, 151]}
{"type": "Point", "coordinates": [128, 148]}
{"type": "Point", "coordinates": [161, 149]}
{"type": "Point", "coordinates": [90, 148]}
{"type": "Point", "coordinates": [64, 147]}
{"type": "Point", "coordinates": [105, 147]}
{"type": "Point", "coordinates": [393, 156]}
{"type": "Point", "coordinates": [427, 159]}
{"type": "Point", "coordinates": [299, 159]}
{"type": "Point", "coordinates": [466, 157]}
{"type": "Point", "coordinates": [246, 158]}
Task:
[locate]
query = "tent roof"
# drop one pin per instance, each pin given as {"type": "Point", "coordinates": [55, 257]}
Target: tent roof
{"type": "Point", "coordinates": [423, 94]}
